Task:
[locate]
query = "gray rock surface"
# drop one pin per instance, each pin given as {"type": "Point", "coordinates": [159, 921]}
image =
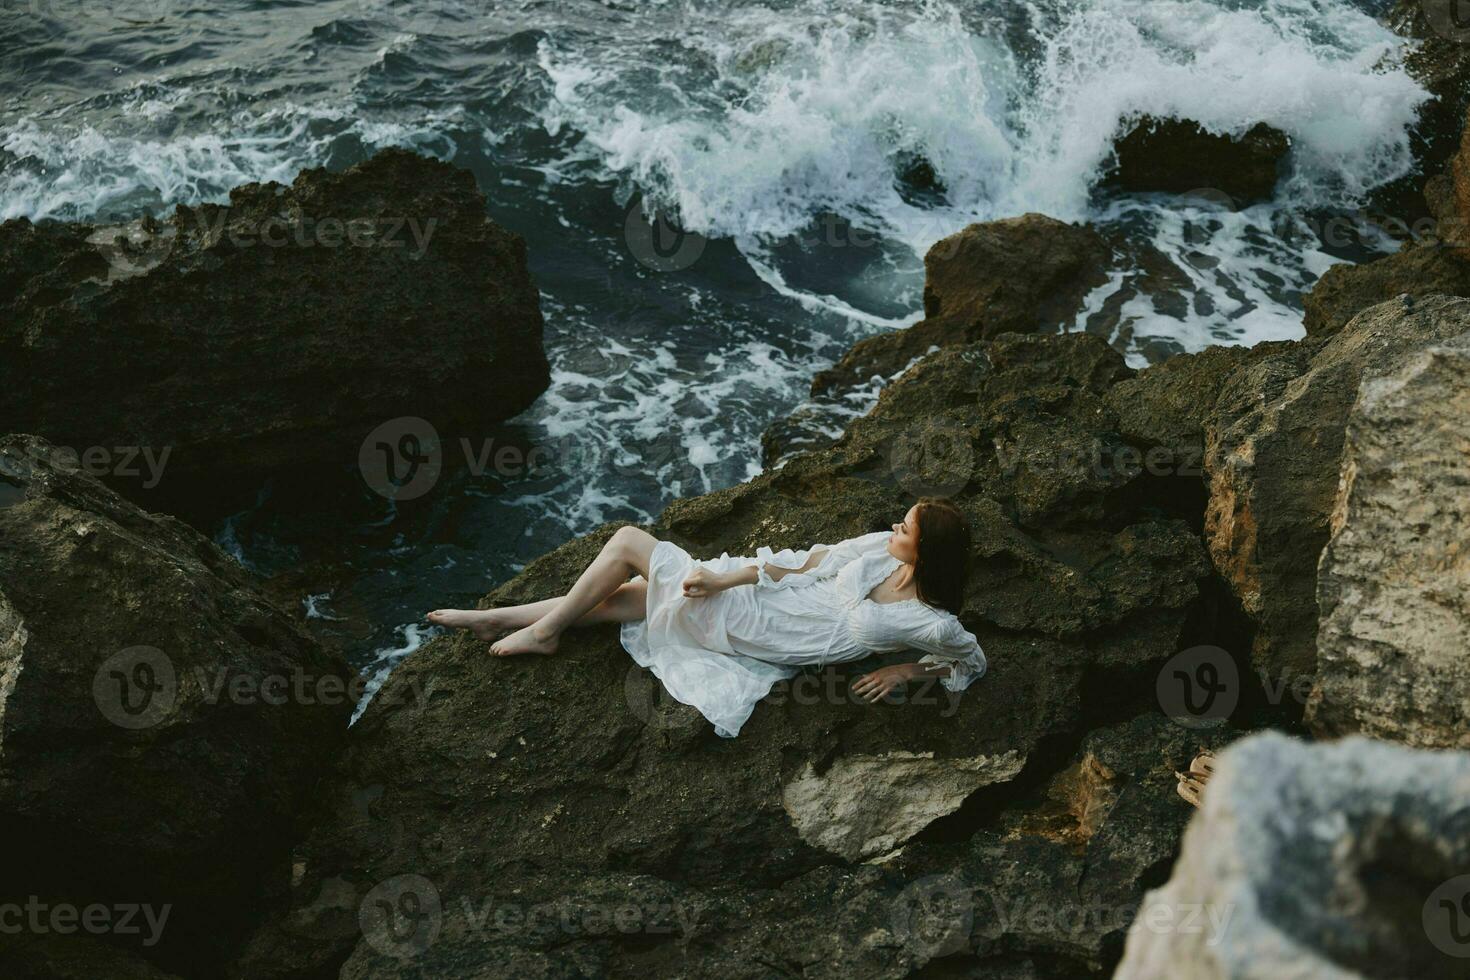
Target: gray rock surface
{"type": "Point", "coordinates": [1394, 583]}
{"type": "Point", "coordinates": [1337, 861]}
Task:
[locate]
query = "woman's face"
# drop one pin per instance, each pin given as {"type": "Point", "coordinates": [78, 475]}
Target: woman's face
{"type": "Point", "coordinates": [904, 545]}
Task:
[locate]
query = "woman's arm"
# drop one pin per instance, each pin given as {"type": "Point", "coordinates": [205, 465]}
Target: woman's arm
{"type": "Point", "coordinates": [884, 681]}
{"type": "Point", "coordinates": [706, 583]}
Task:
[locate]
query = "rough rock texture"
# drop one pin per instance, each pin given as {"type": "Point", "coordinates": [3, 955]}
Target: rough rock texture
{"type": "Point", "coordinates": [519, 781]}
{"type": "Point", "coordinates": [279, 329]}
{"type": "Point", "coordinates": [863, 806]}
{"type": "Point", "coordinates": [1178, 155]}
{"type": "Point", "coordinates": [140, 759]}
{"type": "Point", "coordinates": [1272, 457]}
{"type": "Point", "coordinates": [1439, 59]}
{"type": "Point", "coordinates": [1394, 584]}
{"type": "Point", "coordinates": [1022, 275]}
{"type": "Point", "coordinates": [1346, 290]}
{"type": "Point", "coordinates": [1333, 861]}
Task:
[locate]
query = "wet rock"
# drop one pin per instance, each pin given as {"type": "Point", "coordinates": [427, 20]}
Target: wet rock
{"type": "Point", "coordinates": [1343, 860]}
{"type": "Point", "coordinates": [161, 725]}
{"type": "Point", "coordinates": [1439, 59]}
{"type": "Point", "coordinates": [1346, 290]}
{"type": "Point", "coordinates": [494, 779]}
{"type": "Point", "coordinates": [1178, 155]}
{"type": "Point", "coordinates": [1394, 583]}
{"type": "Point", "coordinates": [1022, 275]}
{"type": "Point", "coordinates": [278, 330]}
{"type": "Point", "coordinates": [1273, 449]}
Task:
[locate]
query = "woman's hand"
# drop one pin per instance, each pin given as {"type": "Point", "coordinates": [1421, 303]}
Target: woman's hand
{"type": "Point", "coordinates": [882, 682]}
{"type": "Point", "coordinates": [703, 583]}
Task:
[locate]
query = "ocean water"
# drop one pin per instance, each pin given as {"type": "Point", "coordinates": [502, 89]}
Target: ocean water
{"type": "Point", "coordinates": [764, 139]}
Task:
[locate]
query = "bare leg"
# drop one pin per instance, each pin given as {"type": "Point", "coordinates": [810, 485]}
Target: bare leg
{"type": "Point", "coordinates": [625, 605]}
{"type": "Point", "coordinates": [626, 554]}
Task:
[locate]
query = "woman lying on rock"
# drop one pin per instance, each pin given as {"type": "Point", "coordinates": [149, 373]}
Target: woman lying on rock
{"type": "Point", "coordinates": [720, 633]}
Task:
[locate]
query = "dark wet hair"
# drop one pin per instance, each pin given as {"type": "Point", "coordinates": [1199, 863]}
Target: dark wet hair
{"type": "Point", "coordinates": [943, 565]}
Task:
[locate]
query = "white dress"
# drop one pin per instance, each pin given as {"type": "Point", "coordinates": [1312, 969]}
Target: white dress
{"type": "Point", "coordinates": [722, 653]}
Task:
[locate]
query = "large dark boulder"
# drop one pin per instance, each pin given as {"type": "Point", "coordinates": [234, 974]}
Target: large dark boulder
{"type": "Point", "coordinates": [161, 725]}
{"type": "Point", "coordinates": [277, 330]}
{"type": "Point", "coordinates": [571, 783]}
{"type": "Point", "coordinates": [1179, 155]}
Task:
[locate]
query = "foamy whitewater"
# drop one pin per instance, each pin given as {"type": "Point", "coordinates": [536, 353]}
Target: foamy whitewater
{"type": "Point", "coordinates": [773, 130]}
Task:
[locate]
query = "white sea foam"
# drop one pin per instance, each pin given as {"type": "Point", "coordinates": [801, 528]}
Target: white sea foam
{"type": "Point", "coordinates": [78, 171]}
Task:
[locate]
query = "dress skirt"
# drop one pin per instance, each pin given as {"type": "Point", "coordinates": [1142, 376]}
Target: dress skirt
{"type": "Point", "coordinates": [694, 646]}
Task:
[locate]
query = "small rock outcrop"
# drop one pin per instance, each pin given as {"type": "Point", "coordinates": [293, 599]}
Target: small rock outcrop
{"type": "Point", "coordinates": [277, 330]}
{"type": "Point", "coordinates": [1273, 448]}
{"type": "Point", "coordinates": [161, 725]}
{"type": "Point", "coordinates": [1417, 270]}
{"type": "Point", "coordinates": [1394, 583]}
{"type": "Point", "coordinates": [1016, 275]}
{"type": "Point", "coordinates": [1345, 860]}
{"type": "Point", "coordinates": [1179, 155]}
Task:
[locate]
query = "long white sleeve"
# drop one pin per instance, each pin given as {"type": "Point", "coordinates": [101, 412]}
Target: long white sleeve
{"type": "Point", "coordinates": [947, 642]}
{"type": "Point", "coordinates": [832, 562]}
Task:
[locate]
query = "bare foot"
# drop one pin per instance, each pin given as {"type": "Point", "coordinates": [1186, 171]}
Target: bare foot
{"type": "Point", "coordinates": [527, 640]}
{"type": "Point", "coordinates": [487, 624]}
